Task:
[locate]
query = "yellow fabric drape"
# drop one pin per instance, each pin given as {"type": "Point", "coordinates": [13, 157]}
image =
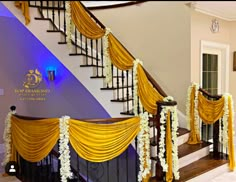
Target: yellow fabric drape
{"type": "Point", "coordinates": [84, 22]}
{"type": "Point", "coordinates": [230, 137]}
{"type": "Point", "coordinates": [34, 139]}
{"type": "Point", "coordinates": [169, 173]}
{"type": "Point", "coordinates": [194, 136]}
{"type": "Point", "coordinates": [147, 94]}
{"type": "Point", "coordinates": [24, 6]}
{"type": "Point", "coordinates": [120, 57]}
{"type": "Point", "coordinates": [102, 142]}
{"type": "Point", "coordinates": [210, 111]}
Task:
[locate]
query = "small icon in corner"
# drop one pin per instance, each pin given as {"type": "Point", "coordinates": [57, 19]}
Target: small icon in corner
{"type": "Point", "coordinates": [11, 168]}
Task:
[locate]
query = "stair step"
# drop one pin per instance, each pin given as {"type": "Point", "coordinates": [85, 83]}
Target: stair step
{"type": "Point", "coordinates": [181, 132]}
{"type": "Point", "coordinates": [54, 31]}
{"type": "Point", "coordinates": [201, 166]}
{"type": "Point", "coordinates": [62, 42]}
{"type": "Point", "coordinates": [92, 65]}
{"type": "Point", "coordinates": [81, 54]}
{"type": "Point", "coordinates": [97, 77]}
{"type": "Point", "coordinates": [122, 99]}
{"type": "Point", "coordinates": [186, 149]}
{"type": "Point", "coordinates": [114, 88]}
{"type": "Point", "coordinates": [37, 18]}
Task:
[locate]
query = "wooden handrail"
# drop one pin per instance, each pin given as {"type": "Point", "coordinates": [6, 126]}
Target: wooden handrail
{"type": "Point", "coordinates": [209, 95]}
{"type": "Point", "coordinates": [154, 83]}
{"type": "Point", "coordinates": [94, 17]}
{"type": "Point", "coordinates": [102, 120]}
{"type": "Point", "coordinates": [116, 5]}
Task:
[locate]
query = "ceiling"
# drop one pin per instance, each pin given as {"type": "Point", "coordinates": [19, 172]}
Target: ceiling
{"type": "Point", "coordinates": [221, 9]}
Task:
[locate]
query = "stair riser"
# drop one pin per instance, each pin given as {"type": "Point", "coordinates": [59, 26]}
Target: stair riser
{"type": "Point", "coordinates": [181, 140]}
{"type": "Point", "coordinates": [188, 159]}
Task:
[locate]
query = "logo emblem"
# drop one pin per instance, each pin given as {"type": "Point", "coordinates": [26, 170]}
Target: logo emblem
{"type": "Point", "coordinates": [32, 79]}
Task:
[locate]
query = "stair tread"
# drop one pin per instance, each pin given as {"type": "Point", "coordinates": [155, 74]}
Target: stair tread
{"type": "Point", "coordinates": [181, 131]}
{"type": "Point", "coordinates": [186, 148]}
{"type": "Point", "coordinates": [122, 99]}
{"type": "Point", "coordinates": [201, 166]}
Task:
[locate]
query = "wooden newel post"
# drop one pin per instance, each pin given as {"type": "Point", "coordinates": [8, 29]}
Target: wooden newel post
{"type": "Point", "coordinates": [160, 175]}
{"type": "Point", "coordinates": [216, 143]}
{"type": "Point", "coordinates": [159, 170]}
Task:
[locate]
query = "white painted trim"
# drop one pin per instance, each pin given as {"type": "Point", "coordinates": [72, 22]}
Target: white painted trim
{"type": "Point", "coordinates": [224, 49]}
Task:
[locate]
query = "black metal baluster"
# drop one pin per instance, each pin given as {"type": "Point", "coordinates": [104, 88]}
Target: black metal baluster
{"type": "Point", "coordinates": [78, 169]}
{"type": "Point", "coordinates": [127, 164]}
{"type": "Point", "coordinates": [97, 59]}
{"type": "Point", "coordinates": [59, 16]}
{"type": "Point", "coordinates": [102, 61]}
{"type": "Point", "coordinates": [108, 171]}
{"type": "Point", "coordinates": [91, 51]}
{"type": "Point", "coordinates": [127, 90]}
{"type": "Point", "coordinates": [117, 84]}
{"type": "Point", "coordinates": [118, 169]}
{"type": "Point", "coordinates": [75, 41]}
{"type": "Point", "coordinates": [86, 48]}
{"type": "Point", "coordinates": [81, 43]}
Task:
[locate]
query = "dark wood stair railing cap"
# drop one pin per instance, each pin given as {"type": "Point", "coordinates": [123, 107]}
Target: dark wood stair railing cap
{"type": "Point", "coordinates": [209, 95]}
{"type": "Point", "coordinates": [164, 103]}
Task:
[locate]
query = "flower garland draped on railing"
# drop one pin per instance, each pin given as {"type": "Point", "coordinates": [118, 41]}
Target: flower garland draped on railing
{"type": "Point", "coordinates": [33, 139]}
{"type": "Point", "coordinates": [64, 150]}
{"type": "Point", "coordinates": [168, 141]}
{"type": "Point", "coordinates": [7, 138]}
{"type": "Point", "coordinates": [210, 111]}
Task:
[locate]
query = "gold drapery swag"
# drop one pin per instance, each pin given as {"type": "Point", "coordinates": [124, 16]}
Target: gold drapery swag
{"type": "Point", "coordinates": [34, 139]}
{"type": "Point", "coordinates": [119, 56]}
{"type": "Point", "coordinates": [24, 6]}
{"type": "Point", "coordinates": [211, 111]}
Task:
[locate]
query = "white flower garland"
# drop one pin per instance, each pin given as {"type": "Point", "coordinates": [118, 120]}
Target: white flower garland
{"type": "Point", "coordinates": [197, 120]}
{"type": "Point", "coordinates": [174, 128]}
{"type": "Point", "coordinates": [68, 24]}
{"type": "Point", "coordinates": [65, 170]}
{"type": "Point", "coordinates": [223, 137]}
{"type": "Point", "coordinates": [135, 82]}
{"type": "Point", "coordinates": [107, 59]}
{"type": "Point", "coordinates": [144, 147]}
{"type": "Point", "coordinates": [7, 138]}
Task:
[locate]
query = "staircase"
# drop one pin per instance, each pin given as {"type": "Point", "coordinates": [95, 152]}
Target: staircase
{"type": "Point", "coordinates": [196, 163]}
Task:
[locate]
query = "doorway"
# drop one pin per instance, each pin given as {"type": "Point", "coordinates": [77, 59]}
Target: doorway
{"type": "Point", "coordinates": [214, 75]}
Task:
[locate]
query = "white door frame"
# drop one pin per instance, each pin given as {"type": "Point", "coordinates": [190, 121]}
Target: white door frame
{"type": "Point", "coordinates": [223, 51]}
